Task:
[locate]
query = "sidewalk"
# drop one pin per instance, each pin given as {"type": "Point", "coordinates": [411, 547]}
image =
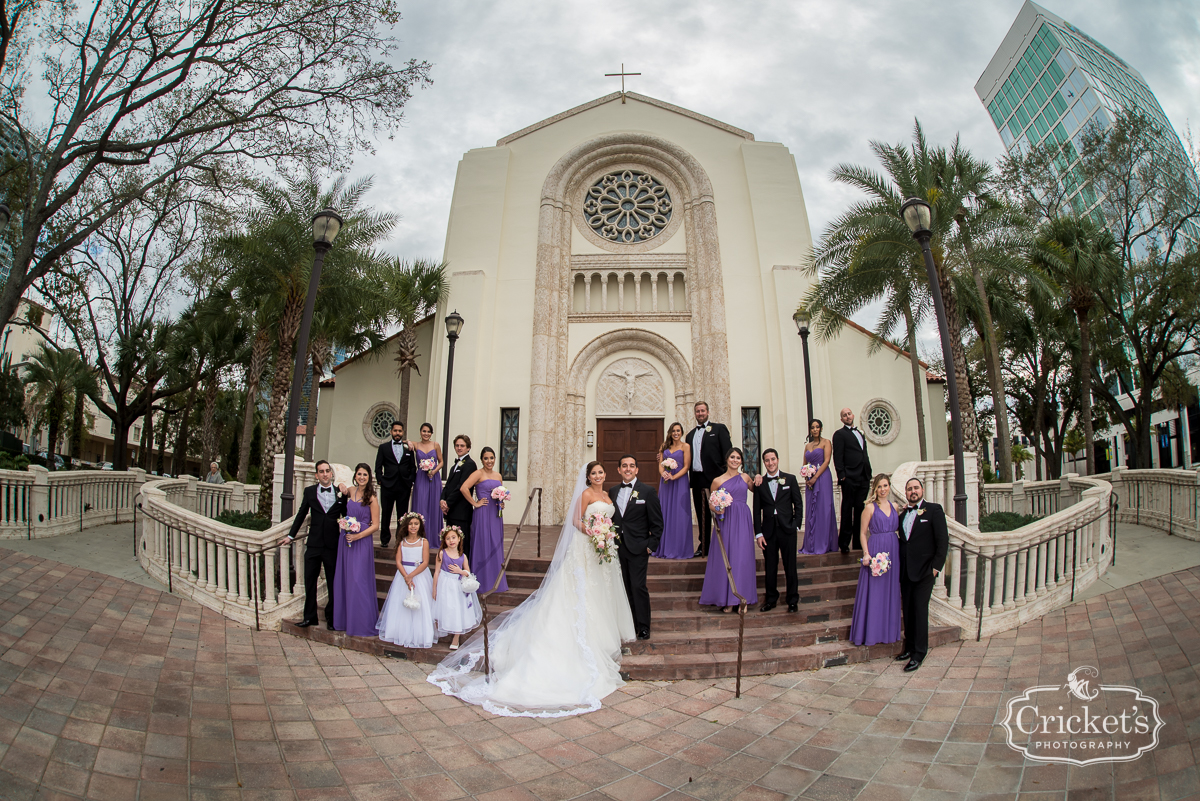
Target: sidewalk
{"type": "Point", "coordinates": [104, 549]}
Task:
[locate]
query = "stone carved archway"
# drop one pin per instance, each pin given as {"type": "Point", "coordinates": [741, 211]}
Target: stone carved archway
{"type": "Point", "coordinates": [554, 442]}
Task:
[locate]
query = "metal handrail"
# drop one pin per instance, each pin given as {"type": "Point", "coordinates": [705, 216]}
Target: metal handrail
{"type": "Point", "coordinates": [741, 605]}
{"type": "Point", "coordinates": [504, 568]}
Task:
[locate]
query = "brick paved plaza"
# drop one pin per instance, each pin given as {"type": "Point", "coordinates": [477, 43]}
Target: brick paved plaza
{"type": "Point", "coordinates": [112, 690]}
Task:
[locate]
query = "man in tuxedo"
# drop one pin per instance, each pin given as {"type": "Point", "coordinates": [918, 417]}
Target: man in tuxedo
{"type": "Point", "coordinates": [456, 510]}
{"type": "Point", "coordinates": [778, 512]}
{"type": "Point", "coordinates": [710, 445]}
{"type": "Point", "coordinates": [322, 500]}
{"type": "Point", "coordinates": [395, 469]}
{"type": "Point", "coordinates": [924, 542]}
{"type": "Point", "coordinates": [639, 522]}
{"type": "Point", "coordinates": [853, 467]}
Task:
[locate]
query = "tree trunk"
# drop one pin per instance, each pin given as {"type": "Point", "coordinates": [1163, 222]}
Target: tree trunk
{"type": "Point", "coordinates": [918, 383]}
{"type": "Point", "coordinates": [991, 360]}
{"type": "Point", "coordinates": [181, 438]}
{"type": "Point", "coordinates": [208, 428]}
{"type": "Point", "coordinates": [77, 426]}
{"type": "Point", "coordinates": [259, 352]}
{"type": "Point", "coordinates": [406, 346]}
{"type": "Point", "coordinates": [310, 424]}
{"type": "Point", "coordinates": [57, 402]}
{"type": "Point", "coordinates": [966, 404]}
{"type": "Point", "coordinates": [145, 446]}
{"type": "Point", "coordinates": [120, 444]}
{"type": "Point", "coordinates": [278, 437]}
{"type": "Point", "coordinates": [161, 464]}
{"type": "Point", "coordinates": [1085, 387]}
{"type": "Point", "coordinates": [1039, 410]}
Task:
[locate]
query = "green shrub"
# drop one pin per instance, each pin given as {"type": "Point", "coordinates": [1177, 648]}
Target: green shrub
{"type": "Point", "coordinates": [243, 520]}
{"type": "Point", "coordinates": [1004, 521]}
{"type": "Point", "coordinates": [10, 461]}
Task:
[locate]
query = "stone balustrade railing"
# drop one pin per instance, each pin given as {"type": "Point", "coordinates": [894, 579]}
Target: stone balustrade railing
{"type": "Point", "coordinates": [938, 478]}
{"type": "Point", "coordinates": [1037, 498]}
{"type": "Point", "coordinates": [238, 572]}
{"type": "Point", "coordinates": [1165, 499]}
{"type": "Point", "coordinates": [37, 503]}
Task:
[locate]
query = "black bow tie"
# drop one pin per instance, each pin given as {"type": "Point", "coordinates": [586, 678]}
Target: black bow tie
{"type": "Point", "coordinates": [326, 489]}
{"type": "Point", "coordinates": [700, 426]}
{"type": "Point", "coordinates": [914, 506]}
{"type": "Point", "coordinates": [772, 478]}
{"type": "Point", "coordinates": [623, 486]}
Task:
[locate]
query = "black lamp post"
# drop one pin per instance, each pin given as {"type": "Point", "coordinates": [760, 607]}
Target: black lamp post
{"type": "Point", "coordinates": [454, 324]}
{"type": "Point", "coordinates": [802, 319]}
{"type": "Point", "coordinates": [916, 214]}
{"type": "Point", "coordinates": [326, 224]}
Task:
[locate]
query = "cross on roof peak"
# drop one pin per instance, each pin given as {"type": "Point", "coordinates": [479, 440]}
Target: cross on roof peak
{"type": "Point", "coordinates": [622, 75]}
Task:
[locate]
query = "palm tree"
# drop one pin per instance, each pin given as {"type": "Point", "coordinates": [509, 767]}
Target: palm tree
{"type": "Point", "coordinates": [55, 376]}
{"type": "Point", "coordinates": [1079, 256]}
{"type": "Point", "coordinates": [413, 290]}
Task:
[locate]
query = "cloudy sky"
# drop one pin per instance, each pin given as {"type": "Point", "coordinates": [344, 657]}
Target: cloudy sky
{"type": "Point", "coordinates": [822, 78]}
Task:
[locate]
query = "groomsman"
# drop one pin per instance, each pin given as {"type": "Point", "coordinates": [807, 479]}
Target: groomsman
{"type": "Point", "coordinates": [396, 469]}
{"type": "Point", "coordinates": [853, 467]}
{"type": "Point", "coordinates": [710, 445]}
{"type": "Point", "coordinates": [324, 503]}
{"type": "Point", "coordinates": [778, 512]}
{"type": "Point", "coordinates": [455, 508]}
{"type": "Point", "coordinates": [924, 542]}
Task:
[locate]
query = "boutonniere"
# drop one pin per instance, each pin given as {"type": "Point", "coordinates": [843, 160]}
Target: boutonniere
{"type": "Point", "coordinates": [339, 495]}
{"type": "Point", "coordinates": [921, 511]}
{"type": "Point", "coordinates": [634, 495]}
{"type": "Point", "coordinates": [782, 484]}
{"type": "Point", "coordinates": [708, 429]}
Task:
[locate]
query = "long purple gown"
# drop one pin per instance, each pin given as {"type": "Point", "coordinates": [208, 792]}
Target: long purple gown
{"type": "Point", "coordinates": [675, 497]}
{"type": "Point", "coordinates": [355, 604]}
{"type": "Point", "coordinates": [427, 495]}
{"type": "Point", "coordinates": [487, 539]}
{"type": "Point", "coordinates": [737, 531]}
{"type": "Point", "coordinates": [876, 617]}
{"type": "Point", "coordinates": [820, 524]}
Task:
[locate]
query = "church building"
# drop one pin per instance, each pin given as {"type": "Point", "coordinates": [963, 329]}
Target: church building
{"type": "Point", "coordinates": [613, 265]}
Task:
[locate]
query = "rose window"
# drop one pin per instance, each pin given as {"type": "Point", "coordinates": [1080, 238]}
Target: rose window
{"type": "Point", "coordinates": [381, 424]}
{"type": "Point", "coordinates": [879, 422]}
{"type": "Point", "coordinates": [628, 207]}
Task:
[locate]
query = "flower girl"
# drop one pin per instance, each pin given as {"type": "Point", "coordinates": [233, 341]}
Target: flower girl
{"type": "Point", "coordinates": [407, 616]}
{"type": "Point", "coordinates": [455, 606]}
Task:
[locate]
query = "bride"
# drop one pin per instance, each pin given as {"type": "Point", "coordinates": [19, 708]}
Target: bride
{"type": "Point", "coordinates": [559, 652]}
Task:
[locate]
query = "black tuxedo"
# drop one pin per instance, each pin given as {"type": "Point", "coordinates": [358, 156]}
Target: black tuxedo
{"type": "Point", "coordinates": [852, 464]}
{"type": "Point", "coordinates": [459, 511]}
{"type": "Point", "coordinates": [321, 547]}
{"type": "Point", "coordinates": [395, 484]}
{"type": "Point", "coordinates": [921, 553]}
{"type": "Point", "coordinates": [777, 520]}
{"type": "Point", "coordinates": [640, 528]}
{"type": "Point", "coordinates": [714, 447]}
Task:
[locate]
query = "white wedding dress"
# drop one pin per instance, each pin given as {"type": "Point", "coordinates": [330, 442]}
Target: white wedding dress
{"type": "Point", "coordinates": [559, 652]}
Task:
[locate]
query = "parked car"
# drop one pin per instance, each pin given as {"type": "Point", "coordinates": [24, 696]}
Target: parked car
{"type": "Point", "coordinates": [105, 465]}
{"type": "Point", "coordinates": [58, 460]}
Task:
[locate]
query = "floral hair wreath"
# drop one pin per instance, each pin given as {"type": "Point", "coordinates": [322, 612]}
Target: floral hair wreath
{"type": "Point", "coordinates": [456, 529]}
{"type": "Point", "coordinates": [409, 515]}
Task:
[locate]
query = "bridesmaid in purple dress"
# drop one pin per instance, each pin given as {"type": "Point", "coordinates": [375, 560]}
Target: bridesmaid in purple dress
{"type": "Point", "coordinates": [820, 522]}
{"type": "Point", "coordinates": [355, 604]}
{"type": "Point", "coordinates": [876, 617]}
{"type": "Point", "coordinates": [737, 532]}
{"type": "Point", "coordinates": [675, 496]}
{"type": "Point", "coordinates": [427, 488]}
{"type": "Point", "coordinates": [487, 526]}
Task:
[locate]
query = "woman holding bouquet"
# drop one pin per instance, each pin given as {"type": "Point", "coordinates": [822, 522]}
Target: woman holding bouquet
{"type": "Point", "coordinates": [487, 526]}
{"type": "Point", "coordinates": [820, 523]}
{"type": "Point", "coordinates": [427, 488]}
{"type": "Point", "coordinates": [355, 605]}
{"type": "Point", "coordinates": [876, 617]}
{"type": "Point", "coordinates": [737, 532]}
{"type": "Point", "coordinates": [674, 494]}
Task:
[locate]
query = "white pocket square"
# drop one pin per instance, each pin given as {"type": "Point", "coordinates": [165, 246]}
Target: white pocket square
{"type": "Point", "coordinates": [639, 503]}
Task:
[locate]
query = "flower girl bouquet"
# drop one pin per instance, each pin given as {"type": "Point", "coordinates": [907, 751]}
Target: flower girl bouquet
{"type": "Point", "coordinates": [468, 583]}
{"type": "Point", "coordinates": [602, 533]}
{"type": "Point", "coordinates": [411, 601]}
{"type": "Point", "coordinates": [879, 563]}
{"type": "Point", "coordinates": [808, 471]}
{"type": "Point", "coordinates": [721, 500]}
{"type": "Point", "coordinates": [351, 526]}
{"type": "Point", "coordinates": [501, 495]}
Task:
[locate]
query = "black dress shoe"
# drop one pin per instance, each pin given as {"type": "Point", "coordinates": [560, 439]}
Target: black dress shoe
{"type": "Point", "coordinates": [767, 607]}
{"type": "Point", "coordinates": [383, 543]}
{"type": "Point", "coordinates": [303, 624]}
{"type": "Point", "coordinates": [845, 551]}
{"type": "Point", "coordinates": [698, 554]}
{"type": "Point", "coordinates": [329, 625]}
{"type": "Point", "coordinates": [643, 635]}
{"type": "Point", "coordinates": [793, 607]}
{"type": "Point", "coordinates": [904, 657]}
{"type": "Point", "coordinates": [912, 665]}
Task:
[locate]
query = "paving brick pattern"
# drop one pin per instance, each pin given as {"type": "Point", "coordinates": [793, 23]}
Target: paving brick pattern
{"type": "Point", "coordinates": [111, 690]}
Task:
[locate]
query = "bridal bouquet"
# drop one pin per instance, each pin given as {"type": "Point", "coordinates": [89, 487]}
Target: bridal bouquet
{"type": "Point", "coordinates": [603, 535]}
{"type": "Point", "coordinates": [468, 583]}
{"type": "Point", "coordinates": [808, 471]}
{"type": "Point", "coordinates": [671, 465]}
{"type": "Point", "coordinates": [426, 465]}
{"type": "Point", "coordinates": [879, 563]}
{"type": "Point", "coordinates": [350, 525]}
{"type": "Point", "coordinates": [721, 500]}
{"type": "Point", "coordinates": [501, 495]}
{"type": "Point", "coordinates": [411, 601]}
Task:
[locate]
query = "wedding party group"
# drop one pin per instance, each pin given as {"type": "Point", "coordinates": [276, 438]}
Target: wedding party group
{"type": "Point", "coordinates": [558, 652]}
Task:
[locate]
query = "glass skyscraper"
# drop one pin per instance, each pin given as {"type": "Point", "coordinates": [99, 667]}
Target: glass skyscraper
{"type": "Point", "coordinates": [1050, 80]}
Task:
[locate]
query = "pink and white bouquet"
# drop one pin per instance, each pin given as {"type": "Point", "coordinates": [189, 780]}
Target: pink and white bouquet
{"type": "Point", "coordinates": [720, 500]}
{"type": "Point", "coordinates": [602, 533]}
{"type": "Point", "coordinates": [879, 563]}
{"type": "Point", "coordinates": [427, 464]}
{"type": "Point", "coordinates": [670, 464]}
{"type": "Point", "coordinates": [351, 526]}
{"type": "Point", "coordinates": [500, 495]}
{"type": "Point", "coordinates": [808, 471]}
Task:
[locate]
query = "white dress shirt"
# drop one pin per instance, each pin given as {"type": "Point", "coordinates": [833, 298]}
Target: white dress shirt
{"type": "Point", "coordinates": [857, 435]}
{"type": "Point", "coordinates": [773, 484]}
{"type": "Point", "coordinates": [326, 496]}
{"type": "Point", "coordinates": [697, 465]}
{"type": "Point", "coordinates": [398, 449]}
{"type": "Point", "coordinates": [623, 496]}
{"type": "Point", "coordinates": [909, 519]}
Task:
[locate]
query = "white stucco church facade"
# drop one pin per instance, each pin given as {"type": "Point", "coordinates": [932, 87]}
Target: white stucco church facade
{"type": "Point", "coordinates": [614, 264]}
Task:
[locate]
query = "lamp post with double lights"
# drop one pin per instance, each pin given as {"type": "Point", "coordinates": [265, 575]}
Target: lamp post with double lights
{"type": "Point", "coordinates": [326, 224]}
{"type": "Point", "coordinates": [802, 319]}
{"type": "Point", "coordinates": [454, 324]}
{"type": "Point", "coordinates": [917, 215]}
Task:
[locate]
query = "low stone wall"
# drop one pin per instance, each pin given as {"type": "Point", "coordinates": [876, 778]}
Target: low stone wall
{"type": "Point", "coordinates": [36, 503]}
{"type": "Point", "coordinates": [1168, 500]}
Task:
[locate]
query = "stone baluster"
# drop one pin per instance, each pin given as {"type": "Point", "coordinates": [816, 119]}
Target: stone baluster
{"type": "Point", "coordinates": [948, 590]}
{"type": "Point", "coordinates": [285, 582]}
{"type": "Point", "coordinates": [243, 590]}
{"type": "Point", "coordinates": [231, 573]}
{"type": "Point", "coordinates": [270, 592]}
{"type": "Point", "coordinates": [1020, 502]}
{"type": "Point", "coordinates": [970, 597]}
{"type": "Point", "coordinates": [1021, 585]}
{"type": "Point", "coordinates": [637, 292]}
{"type": "Point", "coordinates": [210, 570]}
{"type": "Point", "coordinates": [1012, 578]}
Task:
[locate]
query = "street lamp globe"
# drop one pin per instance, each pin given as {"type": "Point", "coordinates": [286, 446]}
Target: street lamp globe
{"type": "Point", "coordinates": [454, 324]}
{"type": "Point", "coordinates": [916, 214]}
{"type": "Point", "coordinates": [802, 319]}
{"type": "Point", "coordinates": [326, 225]}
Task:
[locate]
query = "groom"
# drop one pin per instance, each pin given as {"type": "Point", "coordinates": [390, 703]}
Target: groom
{"type": "Point", "coordinates": [639, 521]}
{"type": "Point", "coordinates": [924, 541]}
